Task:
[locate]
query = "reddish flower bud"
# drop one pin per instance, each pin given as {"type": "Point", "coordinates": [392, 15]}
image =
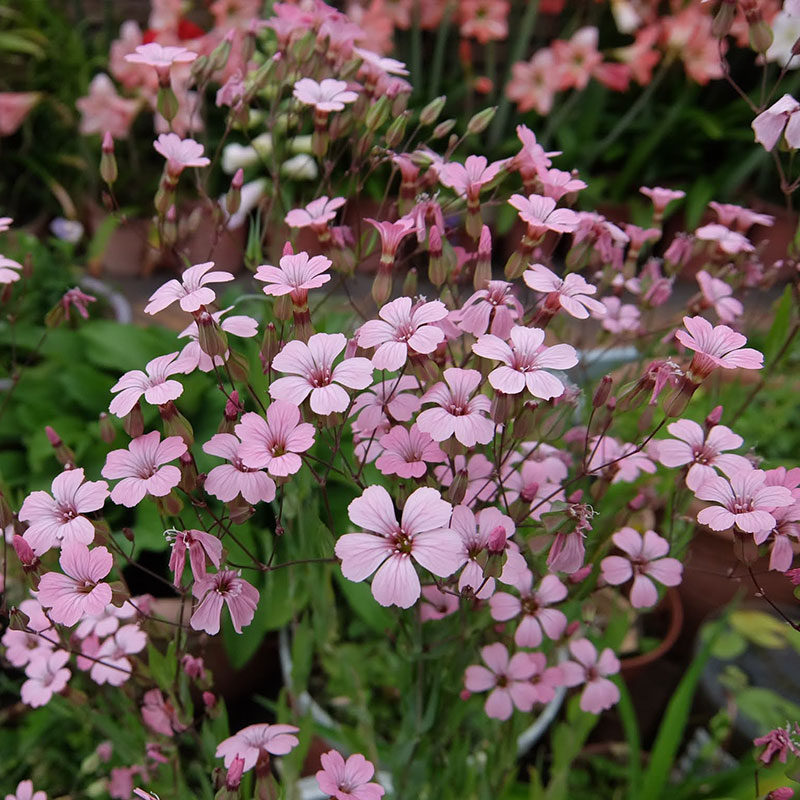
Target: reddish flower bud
{"type": "Point", "coordinates": [64, 455]}
{"type": "Point", "coordinates": [497, 540]}
{"type": "Point", "coordinates": [483, 265]}
{"type": "Point", "coordinates": [209, 699]}
{"type": "Point", "coordinates": [234, 776]}
{"type": "Point", "coordinates": [133, 423]}
{"type": "Point", "coordinates": [714, 417]}
{"type": "Point", "coordinates": [602, 392]}
{"type": "Point", "coordinates": [107, 431]}
{"type": "Point", "coordinates": [108, 161]}
{"type": "Point", "coordinates": [25, 553]}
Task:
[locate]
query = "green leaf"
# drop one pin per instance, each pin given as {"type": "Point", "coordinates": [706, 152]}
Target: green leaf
{"type": "Point", "coordinates": [780, 326]}
{"type": "Point", "coordinates": [119, 347]}
{"type": "Point", "coordinates": [630, 726]}
{"type": "Point", "coordinates": [163, 666]}
{"type": "Point", "coordinates": [15, 43]}
{"type": "Point", "coordinates": [302, 654]}
{"type": "Point", "coordinates": [359, 598]}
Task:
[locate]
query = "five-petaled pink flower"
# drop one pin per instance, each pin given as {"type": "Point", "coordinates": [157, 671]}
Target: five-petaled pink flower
{"type": "Point", "coordinates": [526, 361]}
{"type": "Point", "coordinates": [541, 214]}
{"type": "Point", "coordinates": [274, 443]}
{"type": "Point", "coordinates": [25, 790]}
{"type": "Point", "coordinates": [387, 399]}
{"type": "Point", "coordinates": [661, 197]}
{"type": "Point", "coordinates": [391, 233]}
{"type": "Point", "coordinates": [154, 384]}
{"type": "Point", "coordinates": [225, 586]}
{"type": "Point", "coordinates": [347, 780]}
{"type": "Point", "coordinates": [297, 274]}
{"type": "Point", "coordinates": [407, 453]}
{"type": "Point", "coordinates": [311, 371]}
{"type": "Point", "coordinates": [622, 462]}
{"type": "Point", "coordinates": [495, 304]}
{"type": "Point", "coordinates": [537, 618]}
{"type": "Point", "coordinates": [508, 679]}
{"type": "Point", "coordinates": [227, 481]}
{"type": "Point", "coordinates": [570, 292]}
{"type": "Point", "coordinates": [469, 178]}
{"type": "Point", "coordinates": [719, 294]}
{"type": "Point", "coordinates": [730, 242]}
{"type": "Point", "coordinates": [144, 468]}
{"type": "Point", "coordinates": [645, 562]}
{"type": "Point", "coordinates": [113, 665]}
{"type": "Point", "coordinates": [255, 743]}
{"type": "Point", "coordinates": [161, 58]}
{"type": "Point", "coordinates": [599, 692]}
{"type": "Point", "coordinates": [423, 535]}
{"type": "Point", "coordinates": [9, 270]}
{"type": "Point", "coordinates": [159, 714]}
{"type": "Point", "coordinates": [787, 528]}
{"type": "Point", "coordinates": [191, 291]}
{"type": "Point", "coordinates": [180, 153]}
{"type": "Point", "coordinates": [716, 346]}
{"type": "Point", "coordinates": [744, 500]}
{"type": "Point", "coordinates": [780, 118]}
{"type": "Point", "coordinates": [327, 95]}
{"type": "Point", "coordinates": [458, 413]}
{"type": "Point", "coordinates": [703, 450]}
{"type": "Point", "coordinates": [317, 214]}
{"type": "Point", "coordinates": [200, 545]}
{"type": "Point", "coordinates": [403, 329]}
{"type": "Point", "coordinates": [79, 592]}
{"type": "Point", "coordinates": [58, 518]}
{"type": "Point", "coordinates": [47, 675]}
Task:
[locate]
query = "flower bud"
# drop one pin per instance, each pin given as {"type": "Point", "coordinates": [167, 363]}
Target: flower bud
{"type": "Point", "coordinates": [188, 472]}
{"type": "Point", "coordinates": [502, 407]}
{"type": "Point", "coordinates": [602, 392]}
{"type": "Point", "coordinates": [64, 455]}
{"type": "Point", "coordinates": [269, 346]}
{"type": "Point", "coordinates": [234, 776]}
{"type": "Point", "coordinates": [723, 19]}
{"type": "Point", "coordinates": [218, 57]}
{"type": "Point", "coordinates": [437, 266]}
{"type": "Point", "coordinates": [410, 284]}
{"type": "Point", "coordinates": [377, 114]}
{"type": "Point", "coordinates": [108, 161]}
{"type": "Point", "coordinates": [239, 510]}
{"type": "Point", "coordinates": [713, 418]}
{"type": "Point", "coordinates": [233, 199]}
{"type": "Point", "coordinates": [443, 128]}
{"type": "Point", "coordinates": [396, 131]}
{"type": "Point", "coordinates": [133, 422]}
{"type": "Point", "coordinates": [129, 534]}
{"type": "Point", "coordinates": [458, 488]}
{"type": "Point", "coordinates": [761, 36]}
{"type": "Point", "coordinates": [483, 264]}
{"type": "Point", "coordinates": [175, 424]}
{"type": "Point", "coordinates": [480, 121]}
{"type": "Point", "coordinates": [210, 336]}
{"type": "Point", "coordinates": [199, 69]}
{"type": "Point", "coordinates": [167, 103]}
{"type": "Point", "coordinates": [430, 113]}
{"type": "Point", "coordinates": [382, 285]}
{"type": "Point", "coordinates": [497, 540]}
{"type": "Point", "coordinates": [25, 554]}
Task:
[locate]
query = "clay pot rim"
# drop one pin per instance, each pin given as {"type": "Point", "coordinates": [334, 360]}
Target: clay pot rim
{"type": "Point", "coordinates": [634, 664]}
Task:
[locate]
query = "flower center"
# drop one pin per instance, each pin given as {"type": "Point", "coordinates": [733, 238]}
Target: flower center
{"type": "Point", "coordinates": [742, 505]}
{"type": "Point", "coordinates": [321, 377]}
{"type": "Point", "coordinates": [66, 512]}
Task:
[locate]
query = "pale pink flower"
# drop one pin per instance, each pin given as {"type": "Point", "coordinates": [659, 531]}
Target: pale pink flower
{"type": "Point", "coordinates": [390, 66]}
{"type": "Point", "coordinates": [193, 357]}
{"type": "Point", "coordinates": [154, 384]}
{"type": "Point", "coordinates": [25, 792]}
{"type": "Point", "coordinates": [484, 20]}
{"type": "Point", "coordinates": [620, 317]}
{"type": "Point", "coordinates": [730, 242]}
{"type": "Point", "coordinates": [437, 604]}
{"type": "Point", "coordinates": [717, 293]}
{"type": "Point", "coordinates": [469, 178]}
{"type": "Point", "coordinates": [534, 83]}
{"type": "Point", "coordinates": [144, 468]}
{"type": "Point", "coordinates": [532, 158]}
{"type": "Point", "coordinates": [507, 678]}
{"type": "Point", "coordinates": [787, 527]}
{"type": "Point", "coordinates": [227, 481]}
{"type": "Point", "coordinates": [541, 214]}
{"type": "Point", "coordinates": [495, 304]}
{"type": "Point", "coordinates": [116, 667]}
{"type": "Point", "coordinates": [191, 291]}
{"type": "Point", "coordinates": [5, 224]}
{"type": "Point", "coordinates": [537, 618]}
{"type": "Point", "coordinates": [744, 500]}
{"type": "Point", "coordinates": [327, 95]}
{"type": "Point", "coordinates": [21, 647]}
{"type": "Point", "coordinates": [160, 57]}
{"type": "Point", "coordinates": [200, 545]}
{"type": "Point", "coordinates": [526, 361]}
{"type": "Point", "coordinates": [733, 216]}
{"type": "Point", "coordinates": [778, 743]}
{"type": "Point", "coordinates": [47, 675]}
{"type": "Point", "coordinates": [79, 592]}
{"type": "Point", "coordinates": [297, 274]}
{"type": "Point", "coordinates": [622, 461]}
{"type": "Point", "coordinates": [347, 780]}
{"type": "Point", "coordinates": [646, 562]}
{"type": "Point", "coordinates": [403, 329]}
{"type": "Point", "coordinates": [9, 270]}
{"type": "Point", "coordinates": [225, 586]}
{"type": "Point", "coordinates": [780, 118]}
{"type": "Point", "coordinates": [557, 183]}
{"type": "Point", "coordinates": [572, 292]}
{"type": "Point", "coordinates": [75, 298]}
{"type": "Point", "coordinates": [180, 153]}
{"type": "Point", "coordinates": [103, 110]}
{"type": "Point", "coordinates": [423, 535]}
{"type": "Point", "coordinates": [477, 471]}
{"type": "Point", "coordinates": [159, 715]}
{"type": "Point", "coordinates": [577, 58]}
{"type": "Point", "coordinates": [716, 346]}
{"type": "Point", "coordinates": [274, 443]}
{"type": "Point", "coordinates": [703, 450]}
{"type": "Point", "coordinates": [317, 214]}
{"type": "Point", "coordinates": [536, 483]}
{"type": "Point", "coordinates": [407, 453]}
{"type": "Point", "coordinates": [57, 518]}
{"type": "Point", "coordinates": [256, 742]}
{"type": "Point", "coordinates": [389, 399]}
{"type": "Point", "coordinates": [599, 692]}
{"type": "Point", "coordinates": [661, 197]}
{"type": "Point", "coordinates": [14, 108]}
{"type": "Point", "coordinates": [311, 371]}
{"type": "Point", "coordinates": [391, 233]}
{"type": "Point", "coordinates": [458, 413]}
{"type": "Point", "coordinates": [105, 623]}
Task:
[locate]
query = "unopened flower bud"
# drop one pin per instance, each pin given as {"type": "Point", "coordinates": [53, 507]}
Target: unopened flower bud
{"type": "Point", "coordinates": [430, 113]}
{"type": "Point", "coordinates": [64, 455]}
{"type": "Point", "coordinates": [524, 423]}
{"type": "Point", "coordinates": [483, 265]}
{"type": "Point", "coordinates": [723, 19]}
{"type": "Point", "coordinates": [233, 406]}
{"type": "Point", "coordinates": [133, 422]}
{"type": "Point", "coordinates": [233, 199]}
{"type": "Point", "coordinates": [502, 407]}
{"type": "Point", "coordinates": [234, 776]}
{"type": "Point", "coordinates": [25, 554]}
{"type": "Point", "coordinates": [239, 510]}
{"type": "Point", "coordinates": [382, 286]}
{"type": "Point", "coordinates": [167, 103]}
{"type": "Point", "coordinates": [602, 392]}
{"type": "Point", "coordinates": [396, 131]}
{"type": "Point", "coordinates": [437, 266]}
{"type": "Point", "coordinates": [480, 121]}
{"type": "Point", "coordinates": [175, 424]}
{"type": "Point", "coordinates": [443, 128]}
{"type": "Point", "coordinates": [199, 68]}
{"type": "Point", "coordinates": [193, 667]}
{"type": "Point", "coordinates": [107, 431]}
{"type": "Point", "coordinates": [677, 403]}
{"type": "Point", "coordinates": [497, 540]}
{"type": "Point", "coordinates": [210, 336]}
{"type": "Point", "coordinates": [129, 534]}
{"type": "Point", "coordinates": [410, 284]}
{"type": "Point", "coordinates": [761, 36]}
{"type": "Point", "coordinates": [377, 114]}
{"type": "Point", "coordinates": [458, 488]}
{"type": "Point", "coordinates": [188, 472]}
{"type": "Point", "coordinates": [108, 161]}
{"type": "Point", "coordinates": [269, 346]}
{"type": "Point", "coordinates": [218, 57]}
{"type": "Point", "coordinates": [714, 417]}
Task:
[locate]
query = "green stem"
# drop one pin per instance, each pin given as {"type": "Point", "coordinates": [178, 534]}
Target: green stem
{"type": "Point", "coordinates": [416, 50]}
{"type": "Point", "coordinates": [439, 50]}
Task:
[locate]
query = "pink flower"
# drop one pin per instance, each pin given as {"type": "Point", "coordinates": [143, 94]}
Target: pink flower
{"type": "Point", "coordinates": [477, 472]}
{"type": "Point", "coordinates": [47, 675]}
{"type": "Point", "coordinates": [437, 604]}
{"type": "Point", "coordinates": [297, 274]}
{"type": "Point", "coordinates": [391, 233]}
{"type": "Point", "coordinates": [25, 792]}
{"type": "Point", "coordinates": [312, 372]}
{"type": "Point", "coordinates": [193, 357]}
{"type": "Point", "coordinates": [730, 242]}
{"type": "Point", "coordinates": [508, 679]}
{"type": "Point", "coordinates": [526, 361]}
{"type": "Point", "coordinates": [161, 58]}
{"type": "Point", "coordinates": [407, 453]}
{"type": "Point", "coordinates": [141, 468]}
{"type": "Point", "coordinates": [780, 118]}
{"type": "Point", "coordinates": [703, 450]}
{"type": "Point", "coordinates": [622, 461]}
{"type": "Point", "coordinates": [557, 183]}
{"type": "Point", "coordinates": [423, 535]}
{"type": "Point", "coordinates": [255, 743]}
{"type": "Point", "coordinates": [327, 95]}
{"type": "Point", "coordinates": [347, 780]}
{"type": "Point", "coordinates": [494, 303]}
{"type": "Point", "coordinates": [744, 500]}
{"type": "Point", "coordinates": [227, 481]}
{"type": "Point", "coordinates": [717, 293]}
{"type": "Point", "coordinates": [469, 178]}
{"type": "Point", "coordinates": [645, 562]}
{"type": "Point", "coordinates": [620, 317]}
{"type": "Point", "coordinates": [191, 291]}
{"type": "Point", "coordinates": [484, 20]}
{"type": "Point", "coordinates": [9, 270]}
{"type": "Point", "coordinates": [180, 153]}
{"type": "Point", "coordinates": [103, 110]}
{"type": "Point", "coordinates": [199, 544]}
{"type": "Point", "coordinates": [787, 527]}
{"type": "Point", "coordinates": [661, 197]}
{"type": "Point", "coordinates": [57, 519]}
{"type": "Point", "coordinates": [537, 618]}
{"type": "Point", "coordinates": [154, 384]}
{"type": "Point", "coordinates": [388, 398]}
{"type": "Point", "coordinates": [14, 108]}
{"type": "Point", "coordinates": [542, 215]}
{"type": "Point", "coordinates": [316, 215]}
{"type": "Point", "coordinates": [534, 83]}
{"type": "Point", "coordinates": [778, 743]}
{"type": "Point", "coordinates": [741, 218]}
{"type": "Point", "coordinates": [228, 587]}
{"type": "Point", "coordinates": [599, 693]}
{"type": "Point", "coordinates": [577, 58]}
{"type": "Point", "coordinates": [537, 484]}
{"type": "Point", "coordinates": [570, 293]}
{"type": "Point", "coordinates": [159, 715]}
{"type": "Point", "coordinates": [716, 346]}
{"type": "Point", "coordinates": [75, 298]}
{"type": "Point", "coordinates": [274, 443]}
{"type": "Point", "coordinates": [79, 592]}
{"type": "Point", "coordinates": [403, 329]}
{"type": "Point", "coordinates": [458, 414]}
{"type": "Point", "coordinates": [116, 668]}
